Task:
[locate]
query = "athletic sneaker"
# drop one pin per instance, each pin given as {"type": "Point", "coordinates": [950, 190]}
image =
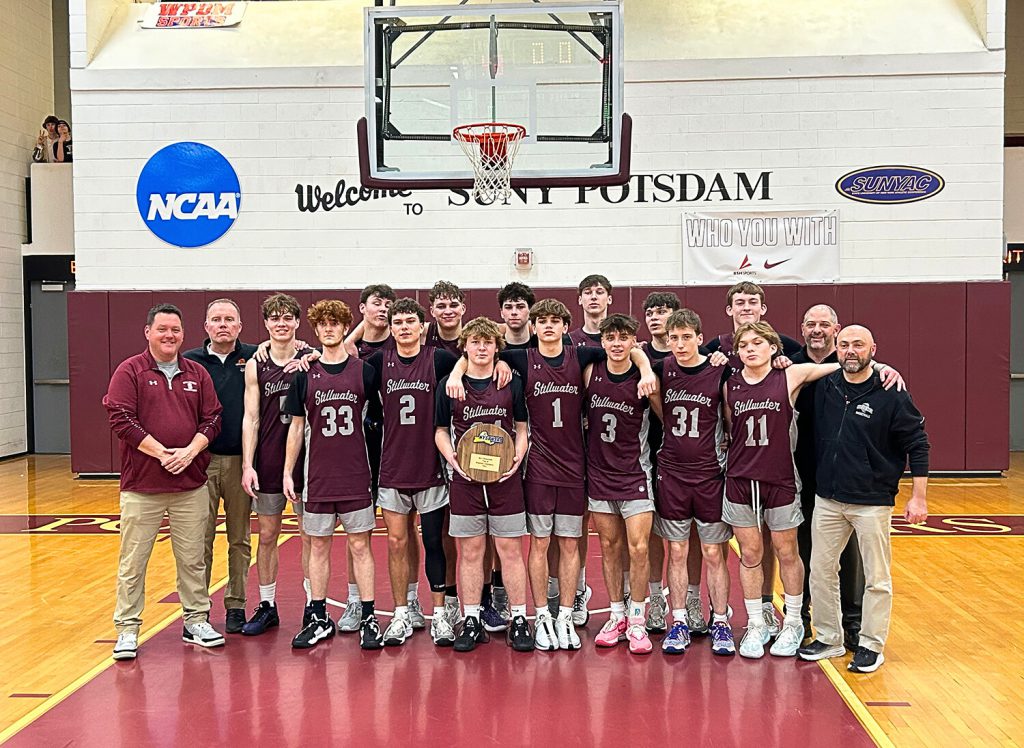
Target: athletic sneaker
{"type": "Point", "coordinates": [351, 618]}
{"type": "Point", "coordinates": [553, 603]}
{"type": "Point", "coordinates": [263, 617]}
{"type": "Point", "coordinates": [499, 599]}
{"type": "Point", "coordinates": [307, 615]}
{"type": "Point", "coordinates": [519, 636]}
{"type": "Point", "coordinates": [722, 642]}
{"type": "Point", "coordinates": [398, 631]}
{"type": "Point", "coordinates": [865, 661]}
{"type": "Point", "coordinates": [678, 639]}
{"type": "Point", "coordinates": [819, 650]}
{"type": "Point", "coordinates": [771, 621]}
{"type": "Point", "coordinates": [565, 630]}
{"type": "Point", "coordinates": [788, 640]}
{"type": "Point", "coordinates": [695, 619]}
{"type": "Point", "coordinates": [753, 642]}
{"type": "Point", "coordinates": [127, 646]}
{"type": "Point", "coordinates": [416, 618]}
{"type": "Point", "coordinates": [613, 632]}
{"type": "Point", "coordinates": [203, 634]}
{"type": "Point", "coordinates": [639, 641]}
{"type": "Point", "coordinates": [453, 612]}
{"type": "Point", "coordinates": [441, 631]}
{"type": "Point", "coordinates": [315, 632]}
{"type": "Point", "coordinates": [491, 619]}
{"type": "Point", "coordinates": [370, 636]}
{"type": "Point", "coordinates": [580, 613]}
{"type": "Point", "coordinates": [656, 623]}
{"type": "Point", "coordinates": [471, 634]}
{"type": "Point", "coordinates": [234, 620]}
{"type": "Point", "coordinates": [545, 638]}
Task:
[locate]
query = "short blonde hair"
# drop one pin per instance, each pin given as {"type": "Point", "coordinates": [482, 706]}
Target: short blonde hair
{"type": "Point", "coordinates": [760, 329]}
{"type": "Point", "coordinates": [481, 327]}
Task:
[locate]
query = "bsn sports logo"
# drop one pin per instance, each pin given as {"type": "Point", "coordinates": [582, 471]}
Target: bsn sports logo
{"type": "Point", "coordinates": [188, 194]}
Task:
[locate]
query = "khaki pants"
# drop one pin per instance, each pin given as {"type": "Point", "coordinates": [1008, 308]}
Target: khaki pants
{"type": "Point", "coordinates": [224, 480]}
{"type": "Point", "coordinates": [141, 515]}
{"type": "Point", "coordinates": [833, 523]}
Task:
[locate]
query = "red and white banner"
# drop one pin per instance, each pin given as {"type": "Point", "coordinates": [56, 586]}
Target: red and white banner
{"type": "Point", "coordinates": [193, 15]}
{"type": "Point", "coordinates": [764, 247]}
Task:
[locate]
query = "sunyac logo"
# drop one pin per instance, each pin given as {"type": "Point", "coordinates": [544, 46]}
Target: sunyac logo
{"type": "Point", "coordinates": [490, 439]}
{"type": "Point", "coordinates": [890, 184]}
{"type": "Point", "coordinates": [188, 194]}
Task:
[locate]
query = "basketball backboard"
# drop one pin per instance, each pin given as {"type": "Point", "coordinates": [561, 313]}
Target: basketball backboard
{"type": "Point", "coordinates": [553, 67]}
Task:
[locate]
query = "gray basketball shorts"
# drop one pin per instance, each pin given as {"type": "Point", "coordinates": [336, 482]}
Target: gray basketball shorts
{"type": "Point", "coordinates": [404, 501]}
{"type": "Point", "coordinates": [624, 509]}
{"type": "Point", "coordinates": [677, 530]}
{"type": "Point", "coordinates": [322, 525]}
{"type": "Point", "coordinates": [269, 503]}
{"type": "Point", "coordinates": [751, 503]}
{"type": "Point", "coordinates": [554, 510]}
{"type": "Point", "coordinates": [497, 525]}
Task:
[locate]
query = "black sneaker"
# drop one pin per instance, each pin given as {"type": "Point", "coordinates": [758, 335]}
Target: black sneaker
{"type": "Point", "coordinates": [370, 635]}
{"type": "Point", "coordinates": [263, 617]}
{"type": "Point", "coordinates": [519, 636]}
{"type": "Point", "coordinates": [234, 621]}
{"type": "Point", "coordinates": [818, 650]}
{"type": "Point", "coordinates": [471, 634]}
{"type": "Point", "coordinates": [315, 632]}
{"type": "Point", "coordinates": [851, 640]}
{"type": "Point", "coordinates": [307, 615]}
{"type": "Point", "coordinates": [865, 661]}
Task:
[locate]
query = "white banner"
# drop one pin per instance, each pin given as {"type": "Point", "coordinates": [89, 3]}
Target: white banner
{"type": "Point", "coordinates": [764, 247]}
{"type": "Point", "coordinates": [192, 15]}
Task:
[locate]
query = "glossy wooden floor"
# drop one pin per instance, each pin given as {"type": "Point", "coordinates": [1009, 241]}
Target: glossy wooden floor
{"type": "Point", "coordinates": [954, 663]}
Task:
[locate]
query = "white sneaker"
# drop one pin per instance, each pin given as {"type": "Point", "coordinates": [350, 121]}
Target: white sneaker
{"type": "Point", "coordinates": [695, 620]}
{"type": "Point", "coordinates": [352, 617]}
{"type": "Point", "coordinates": [416, 617]}
{"type": "Point", "coordinates": [203, 634]}
{"type": "Point", "coordinates": [397, 631]}
{"type": "Point", "coordinates": [453, 612]}
{"type": "Point", "coordinates": [580, 614]}
{"type": "Point", "coordinates": [771, 621]}
{"type": "Point", "coordinates": [754, 641]}
{"type": "Point", "coordinates": [441, 631]}
{"type": "Point", "coordinates": [545, 638]}
{"type": "Point", "coordinates": [127, 646]}
{"type": "Point", "coordinates": [565, 630]}
{"type": "Point", "coordinates": [788, 640]}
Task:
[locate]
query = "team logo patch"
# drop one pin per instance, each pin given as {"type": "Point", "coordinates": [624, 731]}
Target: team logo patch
{"type": "Point", "coordinates": [864, 410]}
{"type": "Point", "coordinates": [191, 386]}
{"type": "Point", "coordinates": [490, 439]}
{"type": "Point", "coordinates": [188, 194]}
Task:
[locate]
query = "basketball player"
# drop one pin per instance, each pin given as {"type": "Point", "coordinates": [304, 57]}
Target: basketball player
{"type": "Point", "coordinates": [745, 302]}
{"type": "Point", "coordinates": [761, 481]}
{"type": "Point", "coordinates": [264, 433]}
{"type": "Point", "coordinates": [691, 482]}
{"type": "Point", "coordinates": [514, 302]}
{"type": "Point", "coordinates": [595, 296]}
{"type": "Point", "coordinates": [619, 479]}
{"type": "Point", "coordinates": [447, 307]}
{"type": "Point", "coordinates": [477, 509]}
{"type": "Point", "coordinates": [375, 332]}
{"type": "Point", "coordinates": [411, 480]}
{"type": "Point", "coordinates": [327, 405]}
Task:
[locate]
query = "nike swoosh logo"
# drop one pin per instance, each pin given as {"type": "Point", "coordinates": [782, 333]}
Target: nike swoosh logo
{"type": "Point", "coordinates": [770, 265]}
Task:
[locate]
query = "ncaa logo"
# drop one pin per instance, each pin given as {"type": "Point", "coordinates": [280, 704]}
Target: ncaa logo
{"type": "Point", "coordinates": [188, 194]}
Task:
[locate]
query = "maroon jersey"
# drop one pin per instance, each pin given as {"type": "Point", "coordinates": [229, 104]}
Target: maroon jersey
{"type": "Point", "coordinates": [337, 466]}
{"type": "Point", "coordinates": [268, 461]}
{"type": "Point", "coordinates": [691, 405]}
{"type": "Point", "coordinates": [434, 340]}
{"type": "Point", "coordinates": [618, 455]}
{"type": "Point", "coordinates": [763, 430]}
{"type": "Point", "coordinates": [489, 405]}
{"type": "Point", "coordinates": [554, 400]}
{"type": "Point", "coordinates": [409, 459]}
{"type": "Point", "coordinates": [581, 337]}
{"type": "Point", "coordinates": [725, 345]}
{"type": "Point", "coordinates": [367, 349]}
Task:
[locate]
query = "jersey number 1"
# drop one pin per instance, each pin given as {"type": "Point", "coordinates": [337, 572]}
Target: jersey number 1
{"type": "Point", "coordinates": [761, 424]}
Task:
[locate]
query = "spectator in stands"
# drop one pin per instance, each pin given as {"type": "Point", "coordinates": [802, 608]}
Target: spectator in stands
{"type": "Point", "coordinates": [62, 146]}
{"type": "Point", "coordinates": [44, 143]}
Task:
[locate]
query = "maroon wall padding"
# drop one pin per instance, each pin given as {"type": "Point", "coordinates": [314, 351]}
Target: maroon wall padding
{"type": "Point", "coordinates": [958, 373]}
{"type": "Point", "coordinates": [987, 397]}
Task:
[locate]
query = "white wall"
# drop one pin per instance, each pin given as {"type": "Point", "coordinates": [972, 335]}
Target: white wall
{"type": "Point", "coordinates": [806, 120]}
{"type": "Point", "coordinates": [989, 18]}
{"type": "Point", "coordinates": [89, 21]}
{"type": "Point", "coordinates": [26, 97]}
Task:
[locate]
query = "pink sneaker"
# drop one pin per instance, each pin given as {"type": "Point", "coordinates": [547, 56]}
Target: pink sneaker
{"type": "Point", "coordinates": [613, 632]}
{"type": "Point", "coordinates": [639, 642]}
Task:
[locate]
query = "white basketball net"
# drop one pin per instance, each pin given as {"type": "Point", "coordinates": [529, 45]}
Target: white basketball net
{"type": "Point", "coordinates": [491, 148]}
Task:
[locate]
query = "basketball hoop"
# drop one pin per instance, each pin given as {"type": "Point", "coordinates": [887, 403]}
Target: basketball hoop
{"type": "Point", "coordinates": [491, 148]}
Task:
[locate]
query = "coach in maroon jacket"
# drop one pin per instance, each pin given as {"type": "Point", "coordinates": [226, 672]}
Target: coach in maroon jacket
{"type": "Point", "coordinates": [165, 412]}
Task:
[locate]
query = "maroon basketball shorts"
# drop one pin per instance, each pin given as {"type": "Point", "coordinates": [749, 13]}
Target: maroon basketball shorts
{"type": "Point", "coordinates": [554, 510]}
{"type": "Point", "coordinates": [684, 498]}
{"type": "Point", "coordinates": [496, 509]}
{"type": "Point", "coordinates": [751, 503]}
{"type": "Point", "coordinates": [321, 518]}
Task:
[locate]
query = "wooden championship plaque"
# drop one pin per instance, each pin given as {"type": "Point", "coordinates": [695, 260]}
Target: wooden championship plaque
{"type": "Point", "coordinates": [485, 452]}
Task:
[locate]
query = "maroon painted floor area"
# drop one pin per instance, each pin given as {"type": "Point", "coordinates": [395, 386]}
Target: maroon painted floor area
{"type": "Point", "coordinates": [262, 692]}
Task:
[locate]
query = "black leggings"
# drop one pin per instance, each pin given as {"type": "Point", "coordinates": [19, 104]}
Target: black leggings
{"type": "Point", "coordinates": [432, 525]}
